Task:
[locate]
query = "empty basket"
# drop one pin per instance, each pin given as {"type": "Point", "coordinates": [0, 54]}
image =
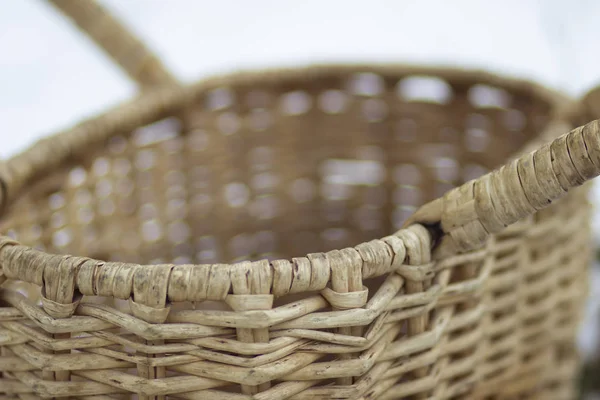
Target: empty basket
{"type": "Point", "coordinates": [254, 236]}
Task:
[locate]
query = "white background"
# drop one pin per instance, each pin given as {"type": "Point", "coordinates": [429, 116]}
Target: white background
{"type": "Point", "coordinates": [51, 76]}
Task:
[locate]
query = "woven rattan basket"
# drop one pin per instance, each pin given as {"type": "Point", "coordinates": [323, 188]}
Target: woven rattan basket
{"type": "Point", "coordinates": [303, 181]}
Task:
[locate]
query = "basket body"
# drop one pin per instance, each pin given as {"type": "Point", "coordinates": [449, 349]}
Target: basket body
{"type": "Point", "coordinates": [278, 166]}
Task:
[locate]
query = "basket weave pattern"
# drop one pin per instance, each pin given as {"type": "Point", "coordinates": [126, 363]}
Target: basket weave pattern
{"type": "Point", "coordinates": [272, 167]}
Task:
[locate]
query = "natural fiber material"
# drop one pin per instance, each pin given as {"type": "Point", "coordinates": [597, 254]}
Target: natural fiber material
{"type": "Point", "coordinates": [274, 171]}
{"type": "Point", "coordinates": [301, 178]}
{"type": "Point", "coordinates": [468, 214]}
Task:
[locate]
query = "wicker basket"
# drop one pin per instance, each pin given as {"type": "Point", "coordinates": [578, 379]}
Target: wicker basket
{"type": "Point", "coordinates": [477, 297]}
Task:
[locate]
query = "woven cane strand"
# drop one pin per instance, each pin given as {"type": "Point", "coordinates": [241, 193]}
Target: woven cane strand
{"type": "Point", "coordinates": [244, 238]}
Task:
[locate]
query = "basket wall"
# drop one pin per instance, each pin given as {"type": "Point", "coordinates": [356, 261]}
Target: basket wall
{"type": "Point", "coordinates": [279, 166]}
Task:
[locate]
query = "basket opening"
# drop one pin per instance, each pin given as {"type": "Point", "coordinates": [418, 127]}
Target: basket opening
{"type": "Point", "coordinates": [277, 168]}
{"type": "Point", "coordinates": [266, 168]}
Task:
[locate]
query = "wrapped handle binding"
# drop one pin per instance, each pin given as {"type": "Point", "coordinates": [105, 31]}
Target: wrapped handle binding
{"type": "Point", "coordinates": [118, 42]}
{"type": "Point", "coordinates": [464, 217]}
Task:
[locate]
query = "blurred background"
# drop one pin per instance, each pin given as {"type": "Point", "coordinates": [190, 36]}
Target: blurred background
{"type": "Point", "coordinates": [51, 76]}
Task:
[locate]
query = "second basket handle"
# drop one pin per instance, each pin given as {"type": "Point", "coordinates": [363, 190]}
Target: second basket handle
{"type": "Point", "coordinates": [118, 42]}
{"type": "Point", "coordinates": [464, 217]}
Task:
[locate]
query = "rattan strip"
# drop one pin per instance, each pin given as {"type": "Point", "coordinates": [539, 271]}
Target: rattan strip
{"type": "Point", "coordinates": [65, 278]}
{"type": "Point", "coordinates": [467, 215]}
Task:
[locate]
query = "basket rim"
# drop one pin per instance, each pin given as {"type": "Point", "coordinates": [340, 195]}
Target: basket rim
{"type": "Point", "coordinates": [410, 245]}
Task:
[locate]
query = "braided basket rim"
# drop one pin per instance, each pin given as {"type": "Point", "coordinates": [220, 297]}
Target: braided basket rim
{"type": "Point", "coordinates": [26, 167]}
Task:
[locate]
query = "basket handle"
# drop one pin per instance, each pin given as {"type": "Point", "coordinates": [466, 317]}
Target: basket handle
{"type": "Point", "coordinates": [123, 47]}
{"type": "Point", "coordinates": [464, 217]}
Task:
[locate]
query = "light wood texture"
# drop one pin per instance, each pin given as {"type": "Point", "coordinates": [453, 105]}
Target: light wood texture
{"type": "Point", "coordinates": [256, 251]}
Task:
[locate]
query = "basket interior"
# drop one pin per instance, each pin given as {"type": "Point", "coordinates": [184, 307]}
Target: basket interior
{"type": "Point", "coordinates": [283, 164]}
{"type": "Point", "coordinates": [272, 168]}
